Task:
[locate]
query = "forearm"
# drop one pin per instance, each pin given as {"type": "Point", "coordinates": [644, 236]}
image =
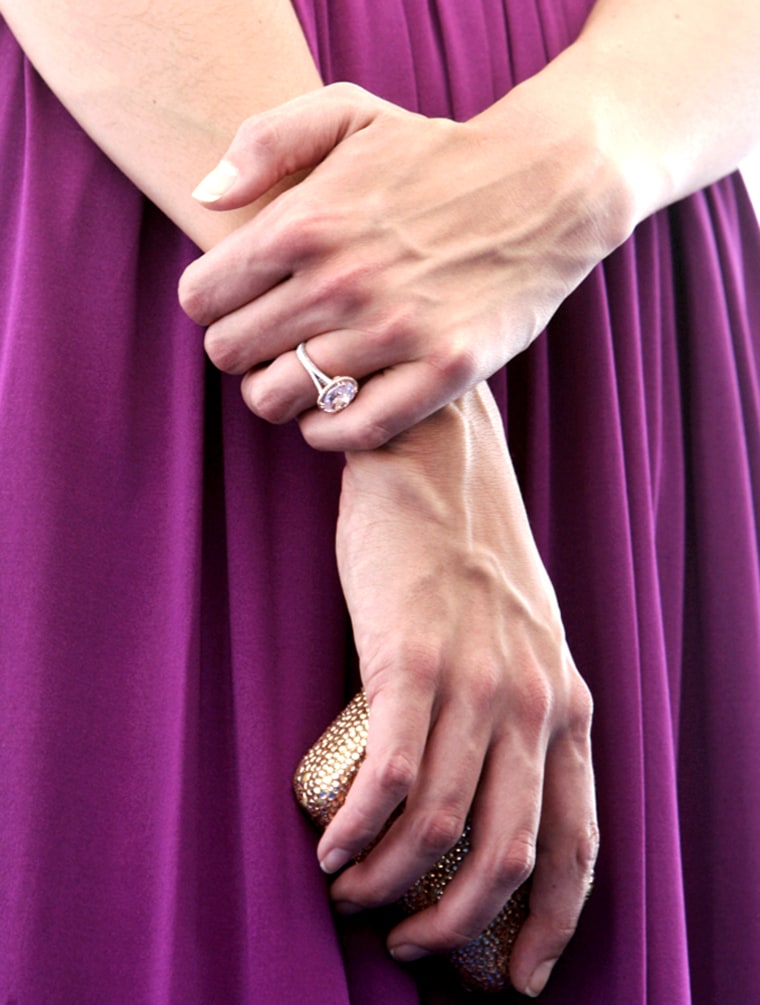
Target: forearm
{"type": "Point", "coordinates": [689, 75]}
{"type": "Point", "coordinates": [476, 706]}
{"type": "Point", "coordinates": [162, 88]}
{"type": "Point", "coordinates": [673, 88]}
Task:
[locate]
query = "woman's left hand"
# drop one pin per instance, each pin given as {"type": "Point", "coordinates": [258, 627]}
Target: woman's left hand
{"type": "Point", "coordinates": [418, 256]}
{"type": "Point", "coordinates": [476, 706]}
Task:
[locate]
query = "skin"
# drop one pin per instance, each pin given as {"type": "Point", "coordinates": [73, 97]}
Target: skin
{"type": "Point", "coordinates": [161, 89]}
{"type": "Point", "coordinates": [475, 702]}
{"type": "Point", "coordinates": [424, 277]}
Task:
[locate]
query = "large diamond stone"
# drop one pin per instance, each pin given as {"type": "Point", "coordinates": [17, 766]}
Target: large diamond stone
{"type": "Point", "coordinates": [338, 394]}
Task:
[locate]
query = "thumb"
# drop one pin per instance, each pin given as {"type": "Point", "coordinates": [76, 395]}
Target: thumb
{"type": "Point", "coordinates": [293, 137]}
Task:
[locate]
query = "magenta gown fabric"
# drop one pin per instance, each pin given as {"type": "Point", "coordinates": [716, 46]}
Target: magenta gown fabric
{"type": "Point", "coordinates": [172, 635]}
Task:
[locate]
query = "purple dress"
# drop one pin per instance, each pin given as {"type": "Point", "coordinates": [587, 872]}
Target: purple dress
{"type": "Point", "coordinates": [172, 634]}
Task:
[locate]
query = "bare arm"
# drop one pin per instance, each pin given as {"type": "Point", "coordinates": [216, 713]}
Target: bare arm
{"type": "Point", "coordinates": [676, 89]}
{"type": "Point", "coordinates": [161, 87]}
{"type": "Point", "coordinates": [476, 704]}
{"type": "Point", "coordinates": [159, 91]}
{"type": "Point", "coordinates": [471, 234]}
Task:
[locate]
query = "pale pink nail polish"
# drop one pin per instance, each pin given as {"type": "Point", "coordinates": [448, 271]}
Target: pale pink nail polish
{"type": "Point", "coordinates": [407, 953]}
{"type": "Point", "coordinates": [538, 979]}
{"type": "Point", "coordinates": [334, 860]}
{"type": "Point", "coordinates": [217, 183]}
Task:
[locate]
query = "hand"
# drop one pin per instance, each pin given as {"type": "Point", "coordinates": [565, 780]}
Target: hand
{"type": "Point", "coordinates": [418, 256]}
{"type": "Point", "coordinates": [476, 706]}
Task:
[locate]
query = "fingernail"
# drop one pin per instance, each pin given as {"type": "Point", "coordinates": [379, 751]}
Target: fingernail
{"type": "Point", "coordinates": [346, 907]}
{"type": "Point", "coordinates": [334, 860]}
{"type": "Point", "coordinates": [407, 954]}
{"type": "Point", "coordinates": [538, 980]}
{"type": "Point", "coordinates": [217, 183]}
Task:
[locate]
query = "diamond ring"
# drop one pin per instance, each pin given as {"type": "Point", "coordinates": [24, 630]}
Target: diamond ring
{"type": "Point", "coordinates": [335, 393]}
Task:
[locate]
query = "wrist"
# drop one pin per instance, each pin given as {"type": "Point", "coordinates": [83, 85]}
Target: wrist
{"type": "Point", "coordinates": [440, 444]}
{"type": "Point", "coordinates": [449, 479]}
{"type": "Point", "coordinates": [571, 153]}
{"type": "Point", "coordinates": [609, 106]}
{"type": "Point", "coordinates": [669, 93]}
{"type": "Point", "coordinates": [453, 468]}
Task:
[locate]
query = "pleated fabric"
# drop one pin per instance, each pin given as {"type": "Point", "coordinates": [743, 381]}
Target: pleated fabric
{"type": "Point", "coordinates": [172, 635]}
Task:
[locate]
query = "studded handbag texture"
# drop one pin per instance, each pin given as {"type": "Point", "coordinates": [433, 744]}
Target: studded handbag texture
{"type": "Point", "coordinates": [321, 783]}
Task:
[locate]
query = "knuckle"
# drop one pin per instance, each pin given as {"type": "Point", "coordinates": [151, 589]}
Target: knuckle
{"type": "Point", "coordinates": [514, 864]}
{"type": "Point", "coordinates": [371, 434]}
{"type": "Point", "coordinates": [423, 658]}
{"type": "Point", "coordinates": [395, 774]}
{"type": "Point", "coordinates": [452, 926]}
{"type": "Point", "coordinates": [399, 320]}
{"type": "Point", "coordinates": [485, 687]}
{"type": "Point", "coordinates": [454, 367]}
{"type": "Point", "coordinates": [306, 236]}
{"type": "Point", "coordinates": [581, 705]}
{"type": "Point", "coordinates": [259, 135]}
{"type": "Point", "coordinates": [460, 931]}
{"type": "Point", "coordinates": [436, 833]}
{"type": "Point", "coordinates": [378, 341]}
{"type": "Point", "coordinates": [222, 350]}
{"type": "Point", "coordinates": [344, 287]}
{"type": "Point", "coordinates": [345, 91]}
{"type": "Point", "coordinates": [537, 701]}
{"type": "Point", "coordinates": [359, 287]}
{"type": "Point", "coordinates": [579, 713]}
{"type": "Point", "coordinates": [266, 402]}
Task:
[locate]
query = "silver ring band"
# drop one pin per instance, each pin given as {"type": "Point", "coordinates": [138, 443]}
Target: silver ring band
{"type": "Point", "coordinates": [334, 393]}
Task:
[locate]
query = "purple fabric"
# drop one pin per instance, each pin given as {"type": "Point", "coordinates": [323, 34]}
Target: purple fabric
{"type": "Point", "coordinates": [172, 635]}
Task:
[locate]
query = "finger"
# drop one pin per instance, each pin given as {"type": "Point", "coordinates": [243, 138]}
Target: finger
{"type": "Point", "coordinates": [504, 827]}
{"type": "Point", "coordinates": [303, 306]}
{"type": "Point", "coordinates": [233, 273]}
{"type": "Point", "coordinates": [284, 389]}
{"type": "Point", "coordinates": [401, 391]}
{"type": "Point", "coordinates": [388, 403]}
{"type": "Point", "coordinates": [568, 846]}
{"type": "Point", "coordinates": [399, 721]}
{"type": "Point", "coordinates": [292, 137]}
{"type": "Point", "coordinates": [434, 817]}
{"type": "Point", "coordinates": [300, 237]}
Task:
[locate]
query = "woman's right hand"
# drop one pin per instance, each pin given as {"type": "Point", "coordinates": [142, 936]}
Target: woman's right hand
{"type": "Point", "coordinates": [476, 706]}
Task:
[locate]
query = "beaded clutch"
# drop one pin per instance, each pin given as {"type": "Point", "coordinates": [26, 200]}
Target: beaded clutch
{"type": "Point", "coordinates": [321, 783]}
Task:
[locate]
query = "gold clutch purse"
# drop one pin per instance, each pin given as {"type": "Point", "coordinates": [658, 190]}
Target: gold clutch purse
{"type": "Point", "coordinates": [321, 783]}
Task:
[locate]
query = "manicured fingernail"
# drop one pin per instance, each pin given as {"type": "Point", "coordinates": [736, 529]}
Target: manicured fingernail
{"type": "Point", "coordinates": [538, 980]}
{"type": "Point", "coordinates": [407, 954]}
{"type": "Point", "coordinates": [346, 907]}
{"type": "Point", "coordinates": [217, 183]}
{"type": "Point", "coordinates": [334, 860]}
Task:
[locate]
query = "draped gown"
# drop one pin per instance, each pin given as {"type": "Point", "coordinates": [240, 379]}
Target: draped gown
{"type": "Point", "coordinates": [172, 633]}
